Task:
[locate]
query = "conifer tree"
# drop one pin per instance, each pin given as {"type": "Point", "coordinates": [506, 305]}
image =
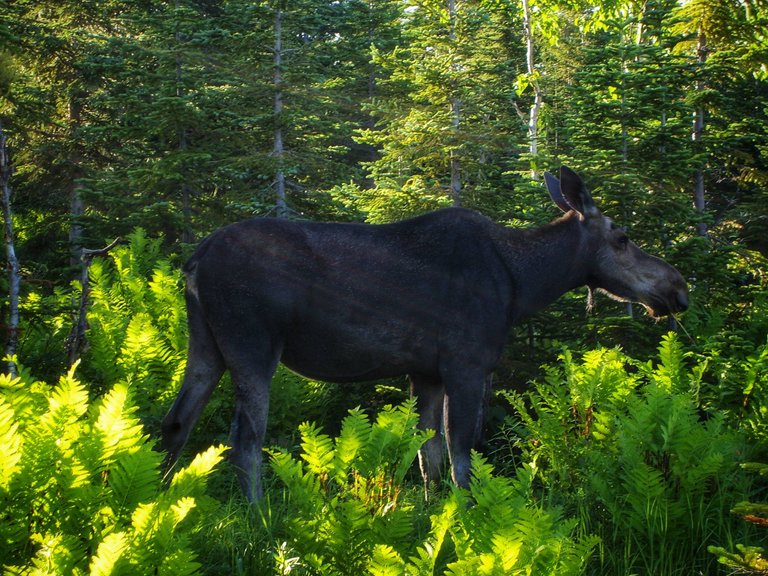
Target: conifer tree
{"type": "Point", "coordinates": [444, 119]}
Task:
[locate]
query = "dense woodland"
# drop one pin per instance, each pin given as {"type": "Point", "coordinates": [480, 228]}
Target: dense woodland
{"type": "Point", "coordinates": [615, 444]}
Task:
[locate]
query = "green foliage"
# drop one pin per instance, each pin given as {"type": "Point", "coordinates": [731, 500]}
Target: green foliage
{"type": "Point", "coordinates": [80, 486]}
{"type": "Point", "coordinates": [748, 559]}
{"type": "Point", "coordinates": [348, 510]}
{"type": "Point", "coordinates": [137, 323]}
{"type": "Point", "coordinates": [493, 529]}
{"type": "Point", "coordinates": [624, 445]}
{"type": "Point", "coordinates": [346, 495]}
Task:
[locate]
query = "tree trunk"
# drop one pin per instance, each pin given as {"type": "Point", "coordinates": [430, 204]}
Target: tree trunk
{"type": "Point", "coordinates": [14, 275]}
{"type": "Point", "coordinates": [533, 114]}
{"type": "Point", "coordinates": [278, 150]}
{"type": "Point", "coordinates": [699, 197]}
{"type": "Point", "coordinates": [77, 341]}
{"type": "Point", "coordinates": [455, 160]}
{"type": "Point", "coordinates": [187, 234]}
{"type": "Point", "coordinates": [76, 202]}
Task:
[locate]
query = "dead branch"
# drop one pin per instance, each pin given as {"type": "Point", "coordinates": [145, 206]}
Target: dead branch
{"type": "Point", "coordinates": [77, 341]}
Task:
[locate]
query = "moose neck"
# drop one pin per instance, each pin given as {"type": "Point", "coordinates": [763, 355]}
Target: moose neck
{"type": "Point", "coordinates": [545, 263]}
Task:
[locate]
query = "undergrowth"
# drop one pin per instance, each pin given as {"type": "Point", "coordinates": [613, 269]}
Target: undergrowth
{"type": "Point", "coordinates": [80, 486]}
{"type": "Point", "coordinates": [608, 465]}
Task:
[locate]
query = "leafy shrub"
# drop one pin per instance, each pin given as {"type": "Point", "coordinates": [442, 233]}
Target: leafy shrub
{"type": "Point", "coordinates": [348, 510]}
{"type": "Point", "coordinates": [137, 323]}
{"type": "Point", "coordinates": [346, 494]}
{"type": "Point", "coordinates": [748, 559]}
{"type": "Point", "coordinates": [80, 486]}
{"type": "Point", "coordinates": [624, 445]}
{"type": "Point", "coordinates": [492, 529]}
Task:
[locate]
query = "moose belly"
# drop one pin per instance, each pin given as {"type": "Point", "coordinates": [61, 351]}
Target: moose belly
{"type": "Point", "coordinates": [358, 353]}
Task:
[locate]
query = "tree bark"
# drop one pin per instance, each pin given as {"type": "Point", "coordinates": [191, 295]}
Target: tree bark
{"type": "Point", "coordinates": [697, 134]}
{"type": "Point", "coordinates": [77, 341]}
{"type": "Point", "coordinates": [533, 114]}
{"type": "Point", "coordinates": [278, 150]}
{"type": "Point", "coordinates": [455, 159]}
{"type": "Point", "coordinates": [76, 202]}
{"type": "Point", "coordinates": [187, 234]}
{"type": "Point", "coordinates": [14, 274]}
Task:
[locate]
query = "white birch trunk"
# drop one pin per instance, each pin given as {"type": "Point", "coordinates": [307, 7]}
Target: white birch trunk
{"type": "Point", "coordinates": [14, 274]}
{"type": "Point", "coordinates": [455, 160]}
{"type": "Point", "coordinates": [699, 192]}
{"type": "Point", "coordinates": [533, 114]}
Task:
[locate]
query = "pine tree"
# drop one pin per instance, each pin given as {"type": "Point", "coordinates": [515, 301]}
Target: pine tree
{"type": "Point", "coordinates": [444, 119]}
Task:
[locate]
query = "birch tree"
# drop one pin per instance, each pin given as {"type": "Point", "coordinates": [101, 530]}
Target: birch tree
{"type": "Point", "coordinates": [12, 262]}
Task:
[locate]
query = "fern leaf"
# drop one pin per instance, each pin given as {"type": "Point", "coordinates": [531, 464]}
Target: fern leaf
{"type": "Point", "coordinates": [317, 449]}
{"type": "Point", "coordinates": [355, 434]}
{"type": "Point", "coordinates": [109, 555]}
{"type": "Point", "coordinates": [191, 481]}
{"type": "Point", "coordinates": [386, 562]}
{"type": "Point", "coordinates": [67, 403]}
{"type": "Point", "coordinates": [133, 478]}
{"type": "Point", "coordinates": [116, 428]}
{"type": "Point", "coordinates": [11, 442]}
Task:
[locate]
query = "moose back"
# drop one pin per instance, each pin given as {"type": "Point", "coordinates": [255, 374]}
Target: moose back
{"type": "Point", "coordinates": [432, 297]}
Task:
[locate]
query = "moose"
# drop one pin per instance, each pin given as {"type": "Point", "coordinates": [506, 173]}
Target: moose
{"type": "Point", "coordinates": [432, 297]}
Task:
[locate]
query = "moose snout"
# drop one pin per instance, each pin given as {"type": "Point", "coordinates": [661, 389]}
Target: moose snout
{"type": "Point", "coordinates": [682, 300]}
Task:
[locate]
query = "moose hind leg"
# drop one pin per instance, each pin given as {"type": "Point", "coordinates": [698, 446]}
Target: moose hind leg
{"type": "Point", "coordinates": [251, 379]}
{"type": "Point", "coordinates": [463, 413]}
{"type": "Point", "coordinates": [205, 367]}
{"type": "Point", "coordinates": [429, 393]}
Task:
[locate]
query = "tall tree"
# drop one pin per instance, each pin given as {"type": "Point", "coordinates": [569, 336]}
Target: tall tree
{"type": "Point", "coordinates": [14, 272]}
{"type": "Point", "coordinates": [446, 86]}
{"type": "Point", "coordinates": [52, 42]}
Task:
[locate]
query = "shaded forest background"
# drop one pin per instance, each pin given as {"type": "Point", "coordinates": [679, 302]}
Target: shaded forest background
{"type": "Point", "coordinates": [179, 117]}
{"type": "Point", "coordinates": [158, 122]}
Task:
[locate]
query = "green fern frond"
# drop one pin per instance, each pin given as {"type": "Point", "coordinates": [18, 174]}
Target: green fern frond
{"type": "Point", "coordinates": [57, 554]}
{"type": "Point", "coordinates": [12, 444]}
{"type": "Point", "coordinates": [304, 488]}
{"type": "Point", "coordinates": [354, 435]}
{"type": "Point", "coordinates": [192, 480]}
{"type": "Point", "coordinates": [109, 557]}
{"type": "Point", "coordinates": [317, 449]}
{"type": "Point", "coordinates": [134, 478]}
{"type": "Point", "coordinates": [115, 426]}
{"type": "Point", "coordinates": [385, 561]}
{"type": "Point", "coordinates": [394, 439]}
{"type": "Point", "coordinates": [671, 374]}
{"type": "Point", "coordinates": [66, 404]}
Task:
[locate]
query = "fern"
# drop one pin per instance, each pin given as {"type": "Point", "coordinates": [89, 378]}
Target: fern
{"type": "Point", "coordinates": [355, 434]}
{"type": "Point", "coordinates": [11, 442]}
{"type": "Point", "coordinates": [501, 533]}
{"type": "Point", "coordinates": [626, 446]}
{"type": "Point", "coordinates": [109, 557]}
{"type": "Point", "coordinates": [137, 320]}
{"type": "Point", "coordinates": [346, 494]}
{"type": "Point", "coordinates": [82, 490]}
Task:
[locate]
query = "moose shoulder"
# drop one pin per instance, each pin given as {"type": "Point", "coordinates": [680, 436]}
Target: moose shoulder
{"type": "Point", "coordinates": [432, 298]}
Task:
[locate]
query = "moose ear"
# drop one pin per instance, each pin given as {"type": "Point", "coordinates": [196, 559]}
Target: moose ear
{"type": "Point", "coordinates": [553, 186]}
{"type": "Point", "coordinates": [575, 193]}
